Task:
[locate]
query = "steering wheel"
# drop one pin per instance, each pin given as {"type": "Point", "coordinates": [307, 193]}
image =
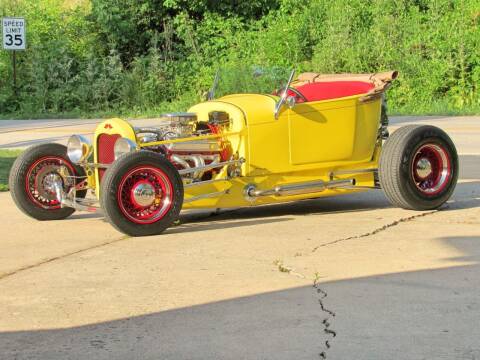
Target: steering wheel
{"type": "Point", "coordinates": [284, 95]}
{"type": "Point", "coordinates": [295, 91]}
{"type": "Point", "coordinates": [298, 94]}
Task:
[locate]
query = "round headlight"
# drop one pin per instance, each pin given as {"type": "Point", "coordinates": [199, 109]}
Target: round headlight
{"type": "Point", "coordinates": [79, 148]}
{"type": "Point", "coordinates": [123, 146]}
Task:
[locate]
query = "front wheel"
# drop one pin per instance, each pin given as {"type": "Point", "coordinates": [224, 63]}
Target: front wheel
{"type": "Point", "coordinates": [33, 176]}
{"type": "Point", "coordinates": [141, 194]}
{"type": "Point", "coordinates": [418, 167]}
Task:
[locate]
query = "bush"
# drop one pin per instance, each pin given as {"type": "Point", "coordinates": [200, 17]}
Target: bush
{"type": "Point", "coordinates": [149, 55]}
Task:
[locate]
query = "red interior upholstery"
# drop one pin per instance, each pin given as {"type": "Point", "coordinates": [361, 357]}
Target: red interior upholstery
{"type": "Point", "coordinates": [333, 90]}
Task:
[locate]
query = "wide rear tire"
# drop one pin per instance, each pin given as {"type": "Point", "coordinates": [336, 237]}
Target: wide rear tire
{"type": "Point", "coordinates": [418, 167]}
{"type": "Point", "coordinates": [29, 175]}
{"type": "Point", "coordinates": [141, 194]}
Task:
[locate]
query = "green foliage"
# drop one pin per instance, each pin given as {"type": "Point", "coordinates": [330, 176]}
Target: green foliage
{"type": "Point", "coordinates": [434, 45]}
{"type": "Point", "coordinates": [145, 56]}
{"type": "Point", "coordinates": [129, 26]}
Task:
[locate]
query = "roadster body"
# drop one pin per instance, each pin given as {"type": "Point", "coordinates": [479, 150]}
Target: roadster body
{"type": "Point", "coordinates": [320, 135]}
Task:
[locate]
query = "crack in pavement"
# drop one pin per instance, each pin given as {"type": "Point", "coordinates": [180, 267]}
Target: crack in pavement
{"type": "Point", "coordinates": [322, 295]}
{"type": "Point", "coordinates": [377, 230]}
{"type": "Point", "coordinates": [49, 260]}
{"type": "Point", "coordinates": [325, 322]}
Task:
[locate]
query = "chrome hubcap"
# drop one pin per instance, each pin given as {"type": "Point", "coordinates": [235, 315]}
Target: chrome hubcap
{"type": "Point", "coordinates": [424, 168]}
{"type": "Point", "coordinates": [143, 194]}
{"type": "Point", "coordinates": [431, 168]}
{"type": "Point", "coordinates": [50, 183]}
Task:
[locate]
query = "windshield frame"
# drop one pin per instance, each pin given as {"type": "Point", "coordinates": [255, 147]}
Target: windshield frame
{"type": "Point", "coordinates": [249, 80]}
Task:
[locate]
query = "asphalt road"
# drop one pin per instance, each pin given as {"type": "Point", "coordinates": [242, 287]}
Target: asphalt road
{"type": "Point", "coordinates": [390, 283]}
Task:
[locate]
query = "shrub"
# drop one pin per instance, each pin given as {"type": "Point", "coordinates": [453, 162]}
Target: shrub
{"type": "Point", "coordinates": [149, 55]}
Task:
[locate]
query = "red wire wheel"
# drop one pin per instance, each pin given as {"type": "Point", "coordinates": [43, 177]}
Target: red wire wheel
{"type": "Point", "coordinates": [418, 167]}
{"type": "Point", "coordinates": [32, 178]}
{"type": "Point", "coordinates": [141, 193]}
{"type": "Point", "coordinates": [431, 169]}
{"type": "Point", "coordinates": [40, 177]}
{"type": "Point", "coordinates": [145, 194]}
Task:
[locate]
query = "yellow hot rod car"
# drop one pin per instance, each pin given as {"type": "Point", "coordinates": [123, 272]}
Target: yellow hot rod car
{"type": "Point", "coordinates": [319, 135]}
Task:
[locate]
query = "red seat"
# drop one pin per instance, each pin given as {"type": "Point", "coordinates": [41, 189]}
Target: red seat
{"type": "Point", "coordinates": [334, 89]}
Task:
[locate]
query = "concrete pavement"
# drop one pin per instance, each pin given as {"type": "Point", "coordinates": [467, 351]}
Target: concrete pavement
{"type": "Point", "coordinates": [239, 285]}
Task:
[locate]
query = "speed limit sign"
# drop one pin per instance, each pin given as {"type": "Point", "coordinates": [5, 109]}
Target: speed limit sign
{"type": "Point", "coordinates": [13, 30]}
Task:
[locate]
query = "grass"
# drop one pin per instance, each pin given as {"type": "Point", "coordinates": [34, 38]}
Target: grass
{"type": "Point", "coordinates": [7, 157]}
{"type": "Point", "coordinates": [436, 108]}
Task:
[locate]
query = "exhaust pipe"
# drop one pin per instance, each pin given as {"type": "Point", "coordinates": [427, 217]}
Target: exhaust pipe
{"type": "Point", "coordinates": [299, 188]}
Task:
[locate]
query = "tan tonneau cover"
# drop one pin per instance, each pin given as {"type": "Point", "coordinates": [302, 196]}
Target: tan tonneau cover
{"type": "Point", "coordinates": [381, 81]}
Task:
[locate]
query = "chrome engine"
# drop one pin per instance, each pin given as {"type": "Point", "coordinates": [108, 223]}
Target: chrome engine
{"type": "Point", "coordinates": [194, 153]}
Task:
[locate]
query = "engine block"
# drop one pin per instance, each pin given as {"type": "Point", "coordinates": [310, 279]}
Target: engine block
{"type": "Point", "coordinates": [189, 154]}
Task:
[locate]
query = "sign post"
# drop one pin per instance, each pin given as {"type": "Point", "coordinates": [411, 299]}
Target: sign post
{"type": "Point", "coordinates": [14, 39]}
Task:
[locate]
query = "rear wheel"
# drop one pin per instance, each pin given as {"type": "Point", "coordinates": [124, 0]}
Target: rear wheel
{"type": "Point", "coordinates": [141, 194]}
{"type": "Point", "coordinates": [33, 175]}
{"type": "Point", "coordinates": [418, 167]}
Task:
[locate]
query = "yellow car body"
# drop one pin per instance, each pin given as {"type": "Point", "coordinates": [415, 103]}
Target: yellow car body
{"type": "Point", "coordinates": [324, 140]}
